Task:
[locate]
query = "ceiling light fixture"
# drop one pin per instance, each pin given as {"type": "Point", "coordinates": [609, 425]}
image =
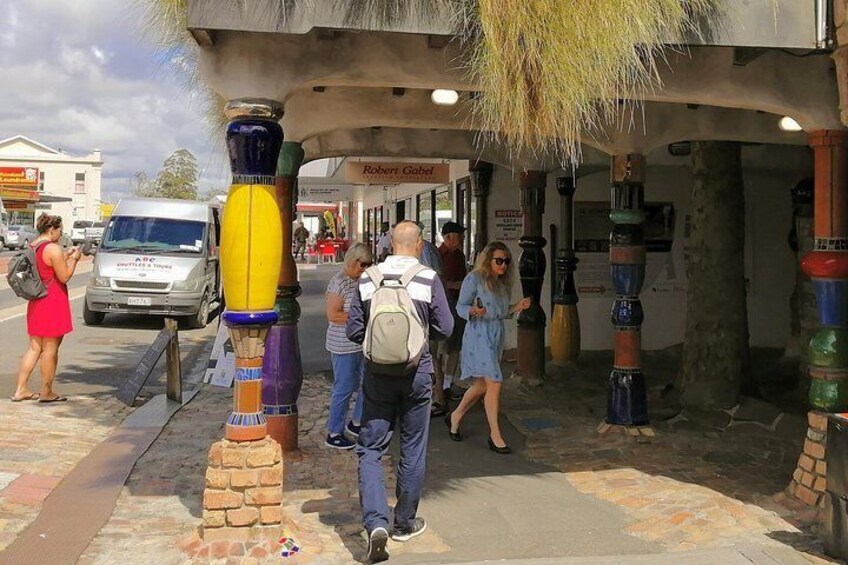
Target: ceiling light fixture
{"type": "Point", "coordinates": [443, 97]}
{"type": "Point", "coordinates": [788, 124]}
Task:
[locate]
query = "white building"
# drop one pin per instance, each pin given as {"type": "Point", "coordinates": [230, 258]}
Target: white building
{"type": "Point", "coordinates": [36, 178]}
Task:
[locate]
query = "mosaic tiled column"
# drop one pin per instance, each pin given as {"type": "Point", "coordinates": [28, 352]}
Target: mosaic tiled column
{"type": "Point", "coordinates": [283, 373]}
{"type": "Point", "coordinates": [531, 267]}
{"type": "Point", "coordinates": [827, 266]}
{"type": "Point", "coordinates": [251, 253]}
{"type": "Point", "coordinates": [626, 394]}
{"type": "Point", "coordinates": [565, 321]}
{"type": "Point", "coordinates": [243, 494]}
{"type": "Point", "coordinates": [480, 175]}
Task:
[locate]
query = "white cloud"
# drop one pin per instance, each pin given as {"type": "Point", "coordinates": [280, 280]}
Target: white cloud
{"type": "Point", "coordinates": [92, 82]}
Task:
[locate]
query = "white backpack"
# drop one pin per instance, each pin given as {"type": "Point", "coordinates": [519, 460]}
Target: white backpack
{"type": "Point", "coordinates": [395, 337]}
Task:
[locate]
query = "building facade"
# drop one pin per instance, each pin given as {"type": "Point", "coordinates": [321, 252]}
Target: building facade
{"type": "Point", "coordinates": [35, 178]}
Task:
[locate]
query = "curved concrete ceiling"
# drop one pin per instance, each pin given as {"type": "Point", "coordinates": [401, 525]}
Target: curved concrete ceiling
{"type": "Point", "coordinates": [275, 66]}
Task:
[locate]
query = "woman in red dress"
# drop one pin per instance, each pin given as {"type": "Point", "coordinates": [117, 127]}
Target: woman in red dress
{"type": "Point", "coordinates": [48, 318]}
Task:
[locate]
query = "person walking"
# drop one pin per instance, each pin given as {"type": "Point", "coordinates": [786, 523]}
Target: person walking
{"type": "Point", "coordinates": [447, 355]}
{"type": "Point", "coordinates": [48, 318]}
{"type": "Point", "coordinates": [301, 235]}
{"type": "Point", "coordinates": [384, 242]}
{"type": "Point", "coordinates": [348, 361]}
{"type": "Point", "coordinates": [389, 398]}
{"type": "Point", "coordinates": [484, 302]}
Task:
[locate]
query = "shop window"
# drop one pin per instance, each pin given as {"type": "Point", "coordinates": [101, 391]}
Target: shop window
{"type": "Point", "coordinates": [41, 181]}
{"type": "Point", "coordinates": [425, 213]}
{"type": "Point", "coordinates": [444, 211]}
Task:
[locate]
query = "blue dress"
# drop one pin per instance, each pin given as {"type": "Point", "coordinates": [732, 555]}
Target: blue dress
{"type": "Point", "coordinates": [482, 342]}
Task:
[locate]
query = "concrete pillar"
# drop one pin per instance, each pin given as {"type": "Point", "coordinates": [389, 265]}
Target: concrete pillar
{"type": "Point", "coordinates": [480, 175]}
{"type": "Point", "coordinates": [282, 376]}
{"type": "Point", "coordinates": [531, 268]}
{"type": "Point", "coordinates": [565, 320]}
{"type": "Point", "coordinates": [627, 402]}
{"type": "Point", "coordinates": [251, 255]}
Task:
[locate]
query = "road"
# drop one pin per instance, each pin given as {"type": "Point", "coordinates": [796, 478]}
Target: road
{"type": "Point", "coordinates": [95, 360]}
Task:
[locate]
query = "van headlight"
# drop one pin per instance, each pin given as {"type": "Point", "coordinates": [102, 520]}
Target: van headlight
{"type": "Point", "coordinates": [100, 282]}
{"type": "Point", "coordinates": [186, 286]}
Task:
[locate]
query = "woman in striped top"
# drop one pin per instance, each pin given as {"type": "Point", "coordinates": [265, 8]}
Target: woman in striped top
{"type": "Point", "coordinates": [348, 361]}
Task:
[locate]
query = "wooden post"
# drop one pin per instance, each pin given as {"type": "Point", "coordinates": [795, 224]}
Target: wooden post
{"type": "Point", "coordinates": [174, 384]}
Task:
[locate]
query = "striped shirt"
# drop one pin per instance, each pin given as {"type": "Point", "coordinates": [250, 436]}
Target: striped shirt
{"type": "Point", "coordinates": [428, 297]}
{"type": "Point", "coordinates": [337, 342]}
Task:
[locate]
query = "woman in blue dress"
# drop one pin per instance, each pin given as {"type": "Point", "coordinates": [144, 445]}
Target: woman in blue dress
{"type": "Point", "coordinates": [484, 302]}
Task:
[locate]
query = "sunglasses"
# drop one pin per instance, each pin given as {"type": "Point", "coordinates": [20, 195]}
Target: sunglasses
{"type": "Point", "coordinates": [365, 264]}
{"type": "Point", "coordinates": [502, 261]}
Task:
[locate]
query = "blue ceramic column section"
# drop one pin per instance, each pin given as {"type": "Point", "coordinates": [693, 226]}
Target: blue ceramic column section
{"type": "Point", "coordinates": [626, 393]}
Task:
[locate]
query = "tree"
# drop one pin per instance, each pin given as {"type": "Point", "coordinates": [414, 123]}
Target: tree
{"type": "Point", "coordinates": [178, 177]}
{"type": "Point", "coordinates": [176, 180]}
{"type": "Point", "coordinates": [715, 361]}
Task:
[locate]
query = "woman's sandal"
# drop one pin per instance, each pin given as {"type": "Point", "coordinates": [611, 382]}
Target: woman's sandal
{"type": "Point", "coordinates": [57, 398]}
{"type": "Point", "coordinates": [32, 396]}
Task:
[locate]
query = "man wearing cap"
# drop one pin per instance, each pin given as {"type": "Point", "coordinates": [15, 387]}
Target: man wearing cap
{"type": "Point", "coordinates": [452, 274]}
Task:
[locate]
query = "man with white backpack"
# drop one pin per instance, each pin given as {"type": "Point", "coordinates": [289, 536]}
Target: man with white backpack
{"type": "Point", "coordinates": [398, 307]}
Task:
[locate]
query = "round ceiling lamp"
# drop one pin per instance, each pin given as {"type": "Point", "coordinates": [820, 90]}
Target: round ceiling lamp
{"type": "Point", "coordinates": [788, 124]}
{"type": "Point", "coordinates": [444, 97]}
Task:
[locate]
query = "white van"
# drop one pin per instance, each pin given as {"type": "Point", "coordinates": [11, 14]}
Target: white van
{"type": "Point", "coordinates": [157, 257]}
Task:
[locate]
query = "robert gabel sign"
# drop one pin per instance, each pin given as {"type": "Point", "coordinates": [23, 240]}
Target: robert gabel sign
{"type": "Point", "coordinates": [396, 173]}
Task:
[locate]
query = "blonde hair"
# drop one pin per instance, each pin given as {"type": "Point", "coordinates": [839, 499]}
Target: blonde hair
{"type": "Point", "coordinates": [483, 268]}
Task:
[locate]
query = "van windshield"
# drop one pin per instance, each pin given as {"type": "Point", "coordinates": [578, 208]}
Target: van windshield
{"type": "Point", "coordinates": [153, 235]}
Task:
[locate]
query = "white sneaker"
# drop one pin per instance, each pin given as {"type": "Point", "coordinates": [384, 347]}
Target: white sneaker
{"type": "Point", "coordinates": [377, 540]}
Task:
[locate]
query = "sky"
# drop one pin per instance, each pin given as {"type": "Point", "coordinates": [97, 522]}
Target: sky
{"type": "Point", "coordinates": [79, 75]}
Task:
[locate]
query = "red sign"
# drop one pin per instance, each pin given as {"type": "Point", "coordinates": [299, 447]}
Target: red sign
{"type": "Point", "coordinates": [25, 194]}
{"type": "Point", "coordinates": [19, 176]}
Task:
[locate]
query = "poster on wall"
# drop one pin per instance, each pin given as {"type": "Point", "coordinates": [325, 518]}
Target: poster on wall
{"type": "Point", "coordinates": [592, 228]}
{"type": "Point", "coordinates": [507, 225]}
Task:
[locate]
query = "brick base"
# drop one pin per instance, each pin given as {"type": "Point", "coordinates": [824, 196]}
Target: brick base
{"type": "Point", "coordinates": [810, 477]}
{"type": "Point", "coordinates": [244, 491]}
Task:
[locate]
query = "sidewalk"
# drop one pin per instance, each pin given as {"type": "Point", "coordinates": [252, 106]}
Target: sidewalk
{"type": "Point", "coordinates": [698, 492]}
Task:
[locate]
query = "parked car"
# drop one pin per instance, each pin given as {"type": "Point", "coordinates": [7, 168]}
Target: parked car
{"type": "Point", "coordinates": [17, 237]}
{"type": "Point", "coordinates": [157, 257]}
{"type": "Point", "coordinates": [95, 232]}
{"type": "Point", "coordinates": [78, 230]}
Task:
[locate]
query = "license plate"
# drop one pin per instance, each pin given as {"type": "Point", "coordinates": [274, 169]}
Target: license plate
{"type": "Point", "coordinates": [139, 301]}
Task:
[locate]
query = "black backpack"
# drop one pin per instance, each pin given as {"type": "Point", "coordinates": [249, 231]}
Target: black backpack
{"type": "Point", "coordinates": [23, 276]}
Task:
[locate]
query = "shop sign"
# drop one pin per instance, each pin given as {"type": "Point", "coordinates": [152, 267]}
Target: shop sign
{"type": "Point", "coordinates": [19, 176]}
{"type": "Point", "coordinates": [396, 173]}
{"type": "Point", "coordinates": [507, 225]}
{"type": "Point", "coordinates": [16, 205]}
{"type": "Point", "coordinates": [7, 193]}
{"type": "Point", "coordinates": [325, 193]}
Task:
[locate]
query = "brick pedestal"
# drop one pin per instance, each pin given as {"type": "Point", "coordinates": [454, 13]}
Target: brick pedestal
{"type": "Point", "coordinates": [810, 478]}
{"type": "Point", "coordinates": [244, 490]}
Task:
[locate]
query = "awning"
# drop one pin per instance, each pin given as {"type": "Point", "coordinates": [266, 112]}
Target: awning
{"type": "Point", "coordinates": [48, 198]}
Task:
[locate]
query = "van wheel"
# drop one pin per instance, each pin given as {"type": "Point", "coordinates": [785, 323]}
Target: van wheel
{"type": "Point", "coordinates": [90, 317]}
{"type": "Point", "coordinates": [200, 319]}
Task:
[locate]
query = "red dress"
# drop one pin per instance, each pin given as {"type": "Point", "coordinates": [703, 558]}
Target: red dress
{"type": "Point", "coordinates": [49, 316]}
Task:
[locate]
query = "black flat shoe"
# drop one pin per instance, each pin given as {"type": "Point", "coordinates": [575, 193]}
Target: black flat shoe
{"type": "Point", "coordinates": [505, 450]}
{"type": "Point", "coordinates": [454, 436]}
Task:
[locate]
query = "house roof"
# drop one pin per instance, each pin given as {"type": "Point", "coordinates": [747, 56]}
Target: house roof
{"type": "Point", "coordinates": [22, 148]}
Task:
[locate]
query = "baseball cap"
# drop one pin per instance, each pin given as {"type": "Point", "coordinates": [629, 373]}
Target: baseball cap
{"type": "Point", "coordinates": [452, 227]}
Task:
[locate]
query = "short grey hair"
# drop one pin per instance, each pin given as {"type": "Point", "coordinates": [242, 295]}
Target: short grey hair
{"type": "Point", "coordinates": [358, 252]}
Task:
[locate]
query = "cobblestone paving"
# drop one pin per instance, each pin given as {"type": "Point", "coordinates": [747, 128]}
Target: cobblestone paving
{"type": "Point", "coordinates": [695, 485]}
{"type": "Point", "coordinates": [39, 445]}
{"type": "Point", "coordinates": [701, 483]}
{"type": "Point", "coordinates": [158, 512]}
